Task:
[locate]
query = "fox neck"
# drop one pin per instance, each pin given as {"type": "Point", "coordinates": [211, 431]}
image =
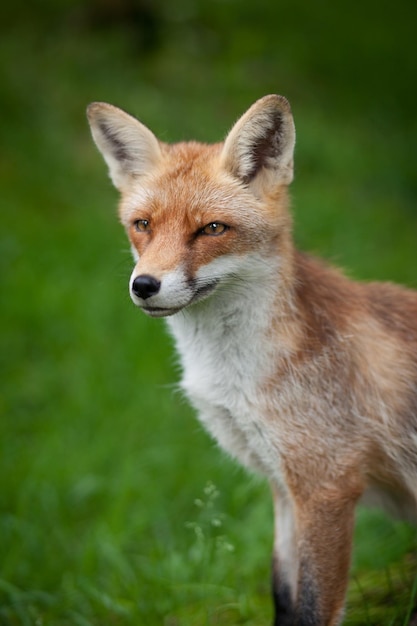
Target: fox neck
{"type": "Point", "coordinates": [228, 335]}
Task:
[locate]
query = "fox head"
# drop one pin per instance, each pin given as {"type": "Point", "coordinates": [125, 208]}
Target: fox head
{"type": "Point", "coordinates": [199, 217]}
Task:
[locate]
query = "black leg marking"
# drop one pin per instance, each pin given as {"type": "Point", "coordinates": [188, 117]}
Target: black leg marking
{"type": "Point", "coordinates": [308, 613]}
{"type": "Point", "coordinates": [281, 594]}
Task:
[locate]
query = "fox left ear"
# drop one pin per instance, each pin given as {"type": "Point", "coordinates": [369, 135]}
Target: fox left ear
{"type": "Point", "coordinates": [260, 147]}
{"type": "Point", "coordinates": [128, 147]}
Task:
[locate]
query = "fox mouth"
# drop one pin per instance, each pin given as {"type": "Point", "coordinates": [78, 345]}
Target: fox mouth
{"type": "Point", "coordinates": [204, 290]}
{"type": "Point", "coordinates": [199, 294]}
{"type": "Point", "coordinates": [156, 311]}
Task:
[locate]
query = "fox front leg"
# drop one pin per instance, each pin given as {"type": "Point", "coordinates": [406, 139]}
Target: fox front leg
{"type": "Point", "coordinates": [313, 539]}
{"type": "Point", "coordinates": [284, 561]}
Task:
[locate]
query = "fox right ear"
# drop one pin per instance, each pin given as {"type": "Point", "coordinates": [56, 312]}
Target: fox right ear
{"type": "Point", "coordinates": [259, 148]}
{"type": "Point", "coordinates": [128, 147]}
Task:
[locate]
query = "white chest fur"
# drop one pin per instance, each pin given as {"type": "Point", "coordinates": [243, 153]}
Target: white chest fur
{"type": "Point", "coordinates": [226, 357]}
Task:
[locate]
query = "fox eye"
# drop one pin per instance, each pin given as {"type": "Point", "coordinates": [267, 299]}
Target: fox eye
{"type": "Point", "coordinates": [142, 226]}
{"type": "Point", "coordinates": [214, 228]}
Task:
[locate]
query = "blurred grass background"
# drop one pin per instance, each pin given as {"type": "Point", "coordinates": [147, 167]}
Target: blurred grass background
{"type": "Point", "coordinates": [115, 507]}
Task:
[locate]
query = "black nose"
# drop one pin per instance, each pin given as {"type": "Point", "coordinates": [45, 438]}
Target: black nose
{"type": "Point", "coordinates": [145, 286]}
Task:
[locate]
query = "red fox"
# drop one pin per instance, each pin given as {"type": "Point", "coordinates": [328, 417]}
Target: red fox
{"type": "Point", "coordinates": [297, 371]}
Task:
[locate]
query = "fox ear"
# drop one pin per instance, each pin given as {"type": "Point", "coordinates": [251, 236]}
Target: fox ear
{"type": "Point", "coordinates": [259, 149]}
{"type": "Point", "coordinates": [128, 147]}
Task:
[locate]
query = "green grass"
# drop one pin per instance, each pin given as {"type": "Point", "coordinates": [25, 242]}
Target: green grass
{"type": "Point", "coordinates": [115, 507]}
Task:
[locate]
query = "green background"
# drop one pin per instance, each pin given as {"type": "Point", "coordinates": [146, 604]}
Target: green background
{"type": "Point", "coordinates": [115, 507]}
